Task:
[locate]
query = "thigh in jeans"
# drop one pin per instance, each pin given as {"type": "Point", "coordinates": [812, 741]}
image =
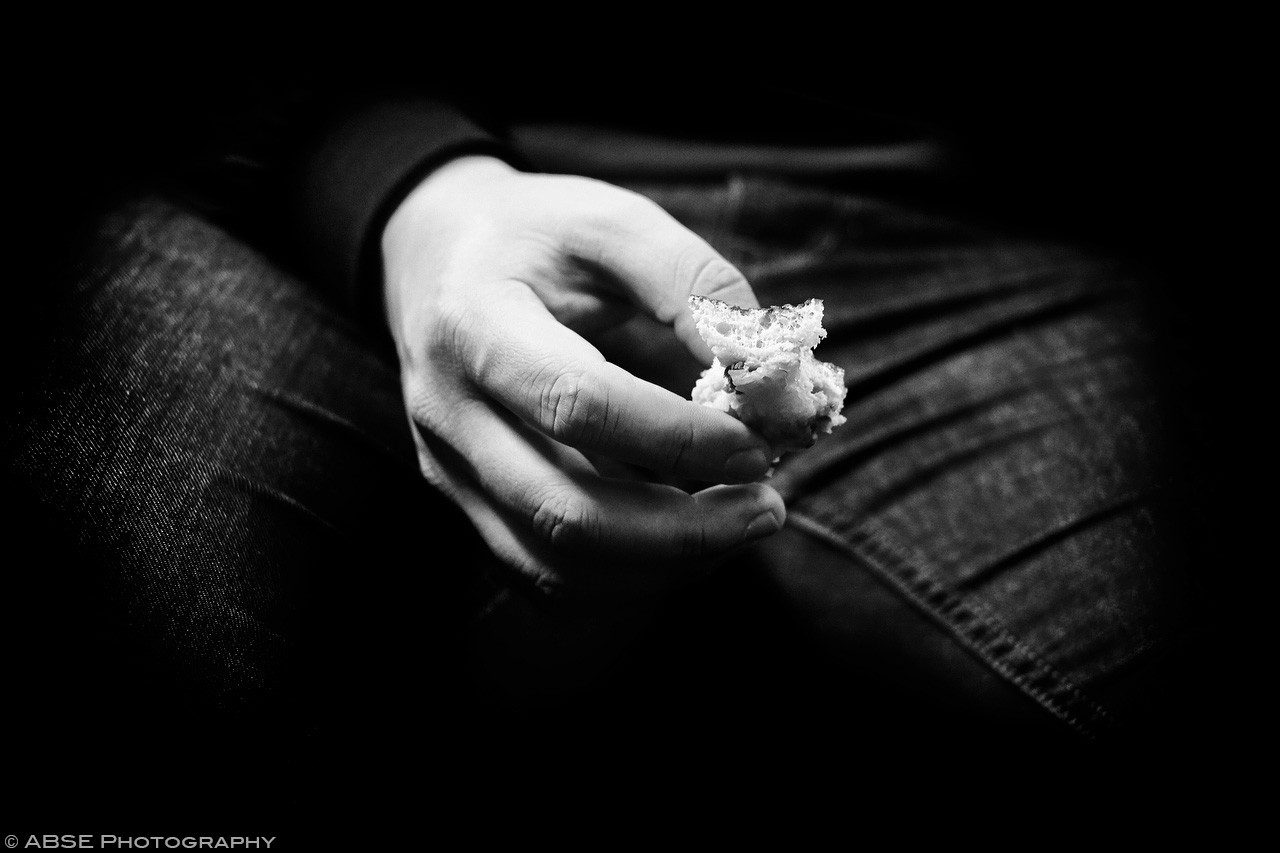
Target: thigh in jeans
{"type": "Point", "coordinates": [1002, 532]}
{"type": "Point", "coordinates": [241, 573]}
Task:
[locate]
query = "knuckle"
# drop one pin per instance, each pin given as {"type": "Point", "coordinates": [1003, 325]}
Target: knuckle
{"type": "Point", "coordinates": [546, 579]}
{"type": "Point", "coordinates": [620, 209]}
{"type": "Point", "coordinates": [678, 445]}
{"type": "Point", "coordinates": [438, 416]}
{"type": "Point", "coordinates": [448, 329]}
{"type": "Point", "coordinates": [550, 585]}
{"type": "Point", "coordinates": [423, 406]}
{"type": "Point", "coordinates": [563, 521]}
{"type": "Point", "coordinates": [709, 274]}
{"type": "Point", "coordinates": [619, 204]}
{"type": "Point", "coordinates": [632, 205]}
{"type": "Point", "coordinates": [434, 405]}
{"type": "Point", "coordinates": [435, 473]}
{"type": "Point", "coordinates": [574, 409]}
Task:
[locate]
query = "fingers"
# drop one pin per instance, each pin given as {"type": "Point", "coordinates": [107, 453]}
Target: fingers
{"type": "Point", "coordinates": [557, 382]}
{"type": "Point", "coordinates": [663, 263]}
{"type": "Point", "coordinates": [544, 508]}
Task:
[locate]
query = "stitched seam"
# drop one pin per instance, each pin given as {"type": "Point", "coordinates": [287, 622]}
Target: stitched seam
{"type": "Point", "coordinates": [1063, 526]}
{"type": "Point", "coordinates": [950, 612]}
{"type": "Point", "coordinates": [879, 539]}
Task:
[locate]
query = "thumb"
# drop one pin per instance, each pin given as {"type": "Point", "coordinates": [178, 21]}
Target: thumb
{"type": "Point", "coordinates": [661, 263]}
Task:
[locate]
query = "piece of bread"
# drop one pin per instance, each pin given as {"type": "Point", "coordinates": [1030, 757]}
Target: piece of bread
{"type": "Point", "coordinates": [765, 372]}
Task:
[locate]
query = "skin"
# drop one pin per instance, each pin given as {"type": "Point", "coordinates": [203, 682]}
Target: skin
{"type": "Point", "coordinates": [494, 280]}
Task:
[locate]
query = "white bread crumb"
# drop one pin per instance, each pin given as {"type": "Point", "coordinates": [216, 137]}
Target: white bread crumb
{"type": "Point", "coordinates": [765, 373]}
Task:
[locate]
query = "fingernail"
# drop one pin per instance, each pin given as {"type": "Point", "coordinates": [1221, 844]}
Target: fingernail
{"type": "Point", "coordinates": [764, 524]}
{"type": "Point", "coordinates": [746, 465]}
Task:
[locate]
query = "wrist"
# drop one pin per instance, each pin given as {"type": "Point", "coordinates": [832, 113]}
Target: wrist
{"type": "Point", "coordinates": [437, 197]}
{"type": "Point", "coordinates": [430, 217]}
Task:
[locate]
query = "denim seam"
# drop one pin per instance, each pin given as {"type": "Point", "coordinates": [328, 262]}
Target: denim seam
{"type": "Point", "coordinates": [1055, 690]}
{"type": "Point", "coordinates": [989, 639]}
{"type": "Point", "coordinates": [1059, 526]}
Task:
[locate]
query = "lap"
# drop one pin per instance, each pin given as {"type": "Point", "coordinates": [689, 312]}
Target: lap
{"type": "Point", "coordinates": [224, 492]}
{"type": "Point", "coordinates": [1004, 527]}
{"type": "Point", "coordinates": [227, 463]}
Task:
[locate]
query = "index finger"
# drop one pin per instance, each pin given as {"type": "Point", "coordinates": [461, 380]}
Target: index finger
{"type": "Point", "coordinates": [557, 382]}
{"type": "Point", "coordinates": [662, 263]}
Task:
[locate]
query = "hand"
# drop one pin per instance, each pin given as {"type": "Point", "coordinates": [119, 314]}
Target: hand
{"type": "Point", "coordinates": [492, 279]}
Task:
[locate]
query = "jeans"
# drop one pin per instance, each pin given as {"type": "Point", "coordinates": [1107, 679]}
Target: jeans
{"type": "Point", "coordinates": [238, 556]}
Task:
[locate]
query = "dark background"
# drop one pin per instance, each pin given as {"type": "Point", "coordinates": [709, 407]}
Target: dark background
{"type": "Point", "coordinates": [1139, 139]}
{"type": "Point", "coordinates": [1139, 135]}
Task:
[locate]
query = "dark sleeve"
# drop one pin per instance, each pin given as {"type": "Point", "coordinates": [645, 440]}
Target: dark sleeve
{"type": "Point", "coordinates": [309, 169]}
{"type": "Point", "coordinates": [360, 164]}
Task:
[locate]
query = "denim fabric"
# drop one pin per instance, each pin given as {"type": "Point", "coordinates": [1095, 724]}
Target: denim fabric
{"type": "Point", "coordinates": [1016, 465]}
{"type": "Point", "coordinates": [231, 528]}
{"type": "Point", "coordinates": [223, 465]}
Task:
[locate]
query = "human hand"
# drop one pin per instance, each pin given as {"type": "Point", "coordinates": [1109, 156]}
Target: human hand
{"type": "Point", "coordinates": [492, 279]}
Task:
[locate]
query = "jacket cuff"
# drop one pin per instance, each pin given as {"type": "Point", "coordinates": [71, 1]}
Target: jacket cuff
{"type": "Point", "coordinates": [364, 165]}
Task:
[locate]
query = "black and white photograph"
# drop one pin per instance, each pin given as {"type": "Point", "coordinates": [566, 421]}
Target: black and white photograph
{"type": "Point", "coordinates": [426, 432]}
